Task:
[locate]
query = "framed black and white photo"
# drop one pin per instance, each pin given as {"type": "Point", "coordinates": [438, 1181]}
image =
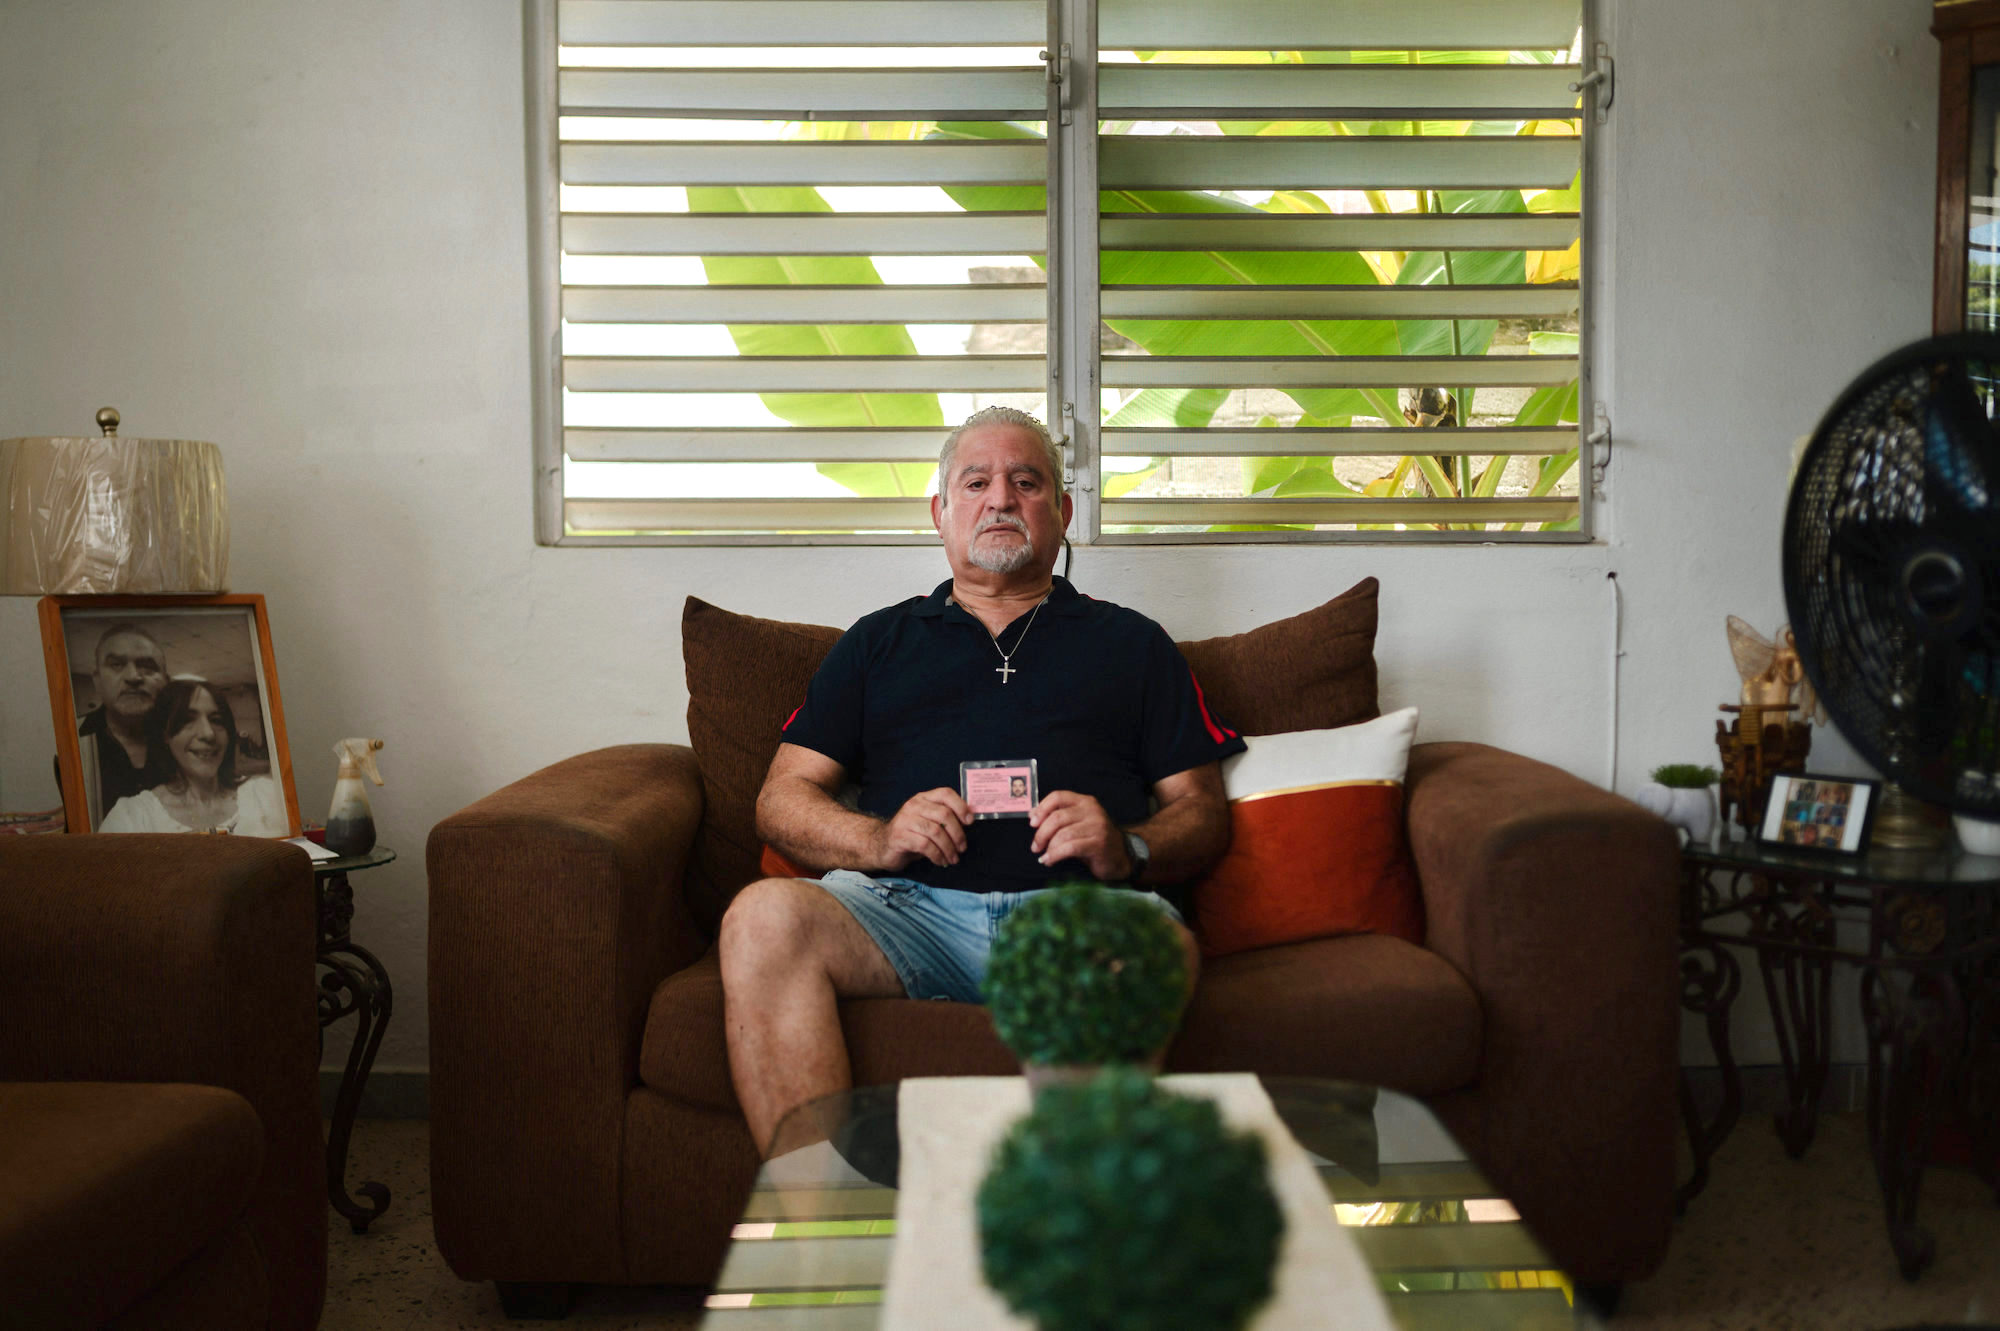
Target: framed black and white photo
{"type": "Point", "coordinates": [167, 715]}
{"type": "Point", "coordinates": [1829, 814]}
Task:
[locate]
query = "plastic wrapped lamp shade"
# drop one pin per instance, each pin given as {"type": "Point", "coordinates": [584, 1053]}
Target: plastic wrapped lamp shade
{"type": "Point", "coordinates": [92, 517]}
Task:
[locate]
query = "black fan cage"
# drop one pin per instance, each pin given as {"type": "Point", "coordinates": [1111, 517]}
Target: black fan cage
{"type": "Point", "coordinates": [1893, 501]}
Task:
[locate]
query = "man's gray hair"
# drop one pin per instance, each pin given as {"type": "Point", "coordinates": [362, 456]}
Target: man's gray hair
{"type": "Point", "coordinates": [1002, 416]}
{"type": "Point", "coordinates": [125, 628]}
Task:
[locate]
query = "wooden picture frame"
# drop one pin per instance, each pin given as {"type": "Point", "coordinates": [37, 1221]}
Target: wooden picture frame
{"type": "Point", "coordinates": [1820, 815]}
{"type": "Point", "coordinates": [121, 669]}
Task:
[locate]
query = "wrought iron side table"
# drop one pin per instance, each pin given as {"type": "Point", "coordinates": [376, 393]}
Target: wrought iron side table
{"type": "Point", "coordinates": [1930, 1000]}
{"type": "Point", "coordinates": [351, 982]}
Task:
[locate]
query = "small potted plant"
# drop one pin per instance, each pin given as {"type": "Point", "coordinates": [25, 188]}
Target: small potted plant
{"type": "Point", "coordinates": [1083, 976]}
{"type": "Point", "coordinates": [1115, 1205]}
{"type": "Point", "coordinates": [1679, 793]}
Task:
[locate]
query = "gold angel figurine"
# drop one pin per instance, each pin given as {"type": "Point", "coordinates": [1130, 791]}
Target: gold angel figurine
{"type": "Point", "coordinates": [1772, 674]}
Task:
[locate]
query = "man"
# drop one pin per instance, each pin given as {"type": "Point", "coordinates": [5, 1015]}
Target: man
{"type": "Point", "coordinates": [130, 672]}
{"type": "Point", "coordinates": [1002, 662]}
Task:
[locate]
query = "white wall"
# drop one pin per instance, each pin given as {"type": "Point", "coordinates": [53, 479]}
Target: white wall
{"type": "Point", "coordinates": [300, 231]}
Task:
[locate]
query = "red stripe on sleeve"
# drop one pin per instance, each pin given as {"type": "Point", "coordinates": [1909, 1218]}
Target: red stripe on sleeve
{"type": "Point", "coordinates": [1215, 732]}
{"type": "Point", "coordinates": [788, 720]}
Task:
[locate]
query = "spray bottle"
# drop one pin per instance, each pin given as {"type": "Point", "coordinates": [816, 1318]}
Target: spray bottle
{"type": "Point", "coordinates": [350, 824]}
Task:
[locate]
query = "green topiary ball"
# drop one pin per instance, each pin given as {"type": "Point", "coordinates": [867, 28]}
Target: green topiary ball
{"type": "Point", "coordinates": [1117, 1206]}
{"type": "Point", "coordinates": [1086, 974]}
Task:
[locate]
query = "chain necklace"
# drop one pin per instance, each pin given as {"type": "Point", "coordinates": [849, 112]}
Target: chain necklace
{"type": "Point", "coordinates": [1006, 667]}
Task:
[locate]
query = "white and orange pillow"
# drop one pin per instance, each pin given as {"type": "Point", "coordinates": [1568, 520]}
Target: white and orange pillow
{"type": "Point", "coordinates": [1317, 845]}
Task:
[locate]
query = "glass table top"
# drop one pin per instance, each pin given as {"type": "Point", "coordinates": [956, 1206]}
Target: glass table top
{"type": "Point", "coordinates": [812, 1249]}
{"type": "Point", "coordinates": [1945, 867]}
{"type": "Point", "coordinates": [367, 859]}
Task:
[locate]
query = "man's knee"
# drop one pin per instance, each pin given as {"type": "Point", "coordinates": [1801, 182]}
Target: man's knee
{"type": "Point", "coordinates": [770, 922]}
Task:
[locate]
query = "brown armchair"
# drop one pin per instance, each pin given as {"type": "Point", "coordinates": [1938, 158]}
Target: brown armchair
{"type": "Point", "coordinates": [160, 1154]}
{"type": "Point", "coordinates": [583, 1124]}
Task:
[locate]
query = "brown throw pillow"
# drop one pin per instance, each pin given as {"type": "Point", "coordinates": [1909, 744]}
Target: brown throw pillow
{"type": "Point", "coordinates": [745, 675]}
{"type": "Point", "coordinates": [1313, 671]}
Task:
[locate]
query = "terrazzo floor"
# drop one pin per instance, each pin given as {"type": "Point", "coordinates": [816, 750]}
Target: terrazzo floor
{"type": "Point", "coordinates": [1774, 1244]}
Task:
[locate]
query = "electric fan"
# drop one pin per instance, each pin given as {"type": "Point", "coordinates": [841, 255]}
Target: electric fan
{"type": "Point", "coordinates": [1892, 569]}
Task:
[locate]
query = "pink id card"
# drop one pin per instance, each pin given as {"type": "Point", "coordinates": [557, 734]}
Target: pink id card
{"type": "Point", "coordinates": [1002, 788]}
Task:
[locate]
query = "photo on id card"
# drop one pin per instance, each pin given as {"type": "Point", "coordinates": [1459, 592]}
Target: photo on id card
{"type": "Point", "coordinates": [1000, 788]}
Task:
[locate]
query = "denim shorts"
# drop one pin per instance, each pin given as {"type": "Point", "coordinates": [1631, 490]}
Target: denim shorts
{"type": "Point", "coordinates": [937, 939]}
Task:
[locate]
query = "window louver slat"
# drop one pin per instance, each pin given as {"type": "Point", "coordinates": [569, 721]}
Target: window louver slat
{"type": "Point", "coordinates": [862, 23]}
{"type": "Point", "coordinates": [832, 516]}
{"type": "Point", "coordinates": [726, 445]}
{"type": "Point", "coordinates": [1343, 442]}
{"type": "Point", "coordinates": [803, 374]}
{"type": "Point", "coordinates": [1184, 512]}
{"type": "Point", "coordinates": [804, 233]}
{"type": "Point", "coordinates": [801, 516]}
{"type": "Point", "coordinates": [1336, 163]}
{"type": "Point", "coordinates": [1337, 302]}
{"type": "Point", "coordinates": [780, 94]}
{"type": "Point", "coordinates": [1394, 25]}
{"type": "Point", "coordinates": [1337, 231]}
{"type": "Point", "coordinates": [1224, 91]}
{"type": "Point", "coordinates": [805, 305]}
{"type": "Point", "coordinates": [731, 163]}
{"type": "Point", "coordinates": [1334, 371]}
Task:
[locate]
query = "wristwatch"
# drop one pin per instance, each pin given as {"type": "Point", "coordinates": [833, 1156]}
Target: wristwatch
{"type": "Point", "coordinates": [1139, 853]}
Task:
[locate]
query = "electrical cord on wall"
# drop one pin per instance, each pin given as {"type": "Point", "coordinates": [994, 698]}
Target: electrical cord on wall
{"type": "Point", "coordinates": [1617, 654]}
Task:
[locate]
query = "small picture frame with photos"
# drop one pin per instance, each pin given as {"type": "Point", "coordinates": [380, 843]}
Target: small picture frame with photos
{"type": "Point", "coordinates": [1821, 815]}
{"type": "Point", "coordinates": [167, 715]}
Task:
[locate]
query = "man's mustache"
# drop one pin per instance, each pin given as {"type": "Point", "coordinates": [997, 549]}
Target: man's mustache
{"type": "Point", "coordinates": [1002, 520]}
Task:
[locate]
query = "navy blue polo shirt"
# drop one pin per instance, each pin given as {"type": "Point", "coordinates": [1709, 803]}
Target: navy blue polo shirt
{"type": "Point", "coordinates": [1097, 694]}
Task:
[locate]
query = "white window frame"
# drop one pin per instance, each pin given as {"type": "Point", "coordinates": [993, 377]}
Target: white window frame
{"type": "Point", "coordinates": [1074, 365]}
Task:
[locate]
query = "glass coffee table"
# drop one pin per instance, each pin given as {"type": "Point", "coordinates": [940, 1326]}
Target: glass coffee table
{"type": "Point", "coordinates": [812, 1249]}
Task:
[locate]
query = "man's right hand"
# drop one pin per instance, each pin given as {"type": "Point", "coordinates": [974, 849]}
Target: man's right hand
{"type": "Point", "coordinates": [930, 826]}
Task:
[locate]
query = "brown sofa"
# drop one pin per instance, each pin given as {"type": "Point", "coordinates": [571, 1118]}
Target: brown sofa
{"type": "Point", "coordinates": [160, 1155]}
{"type": "Point", "coordinates": [583, 1127]}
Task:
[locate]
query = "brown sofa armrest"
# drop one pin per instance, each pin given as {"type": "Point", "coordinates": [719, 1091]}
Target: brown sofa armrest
{"type": "Point", "coordinates": [1557, 900]}
{"type": "Point", "coordinates": [555, 910]}
{"type": "Point", "coordinates": [179, 959]}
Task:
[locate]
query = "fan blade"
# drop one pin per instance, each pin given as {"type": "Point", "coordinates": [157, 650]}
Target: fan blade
{"type": "Point", "coordinates": [1959, 446]}
{"type": "Point", "coordinates": [1934, 707]}
{"type": "Point", "coordinates": [1985, 638]}
{"type": "Point", "coordinates": [1978, 785]}
{"type": "Point", "coordinates": [1875, 547]}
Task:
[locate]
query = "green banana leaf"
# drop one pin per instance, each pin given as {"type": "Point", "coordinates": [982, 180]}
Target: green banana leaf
{"type": "Point", "coordinates": [1182, 407]}
{"type": "Point", "coordinates": [1186, 337]}
{"type": "Point", "coordinates": [871, 479]}
{"type": "Point", "coordinates": [1186, 408]}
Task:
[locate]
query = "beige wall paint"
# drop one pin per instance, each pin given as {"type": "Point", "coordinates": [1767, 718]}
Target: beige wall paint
{"type": "Point", "coordinates": [300, 231]}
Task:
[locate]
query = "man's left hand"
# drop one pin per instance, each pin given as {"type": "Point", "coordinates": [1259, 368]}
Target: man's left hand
{"type": "Point", "coordinates": [1069, 826]}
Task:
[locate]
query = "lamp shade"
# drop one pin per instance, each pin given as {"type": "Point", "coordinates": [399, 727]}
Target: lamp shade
{"type": "Point", "coordinates": [95, 516]}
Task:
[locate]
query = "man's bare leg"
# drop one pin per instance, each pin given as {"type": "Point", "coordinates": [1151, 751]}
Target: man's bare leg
{"type": "Point", "coordinates": [790, 951]}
